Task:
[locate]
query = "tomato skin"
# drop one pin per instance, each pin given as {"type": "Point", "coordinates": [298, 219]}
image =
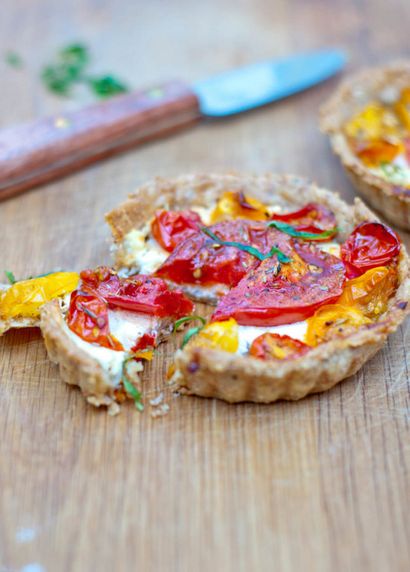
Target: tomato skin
{"type": "Point", "coordinates": [371, 244]}
{"type": "Point", "coordinates": [198, 260]}
{"type": "Point", "coordinates": [271, 346]}
{"type": "Point", "coordinates": [88, 318]}
{"type": "Point", "coordinates": [102, 279]}
{"type": "Point", "coordinates": [149, 295]}
{"type": "Point", "coordinates": [170, 228]}
{"type": "Point", "coordinates": [266, 298]}
{"type": "Point", "coordinates": [311, 218]}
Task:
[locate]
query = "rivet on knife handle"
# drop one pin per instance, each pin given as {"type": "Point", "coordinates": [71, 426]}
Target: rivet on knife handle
{"type": "Point", "coordinates": [41, 151]}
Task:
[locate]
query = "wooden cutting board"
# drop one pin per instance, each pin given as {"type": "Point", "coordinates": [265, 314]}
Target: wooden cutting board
{"type": "Point", "coordinates": [317, 485]}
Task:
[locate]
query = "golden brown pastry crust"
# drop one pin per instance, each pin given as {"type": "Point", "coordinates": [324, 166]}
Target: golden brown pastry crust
{"type": "Point", "coordinates": [392, 201]}
{"type": "Point", "coordinates": [212, 373]}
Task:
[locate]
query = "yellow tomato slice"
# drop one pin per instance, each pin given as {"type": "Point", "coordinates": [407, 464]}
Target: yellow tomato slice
{"type": "Point", "coordinates": [234, 204]}
{"type": "Point", "coordinates": [218, 336]}
{"type": "Point", "coordinates": [24, 299]}
{"type": "Point", "coordinates": [371, 291]}
{"type": "Point", "coordinates": [402, 108]}
{"type": "Point", "coordinates": [333, 321]}
{"type": "Point", "coordinates": [379, 151]}
{"type": "Point", "coordinates": [373, 122]}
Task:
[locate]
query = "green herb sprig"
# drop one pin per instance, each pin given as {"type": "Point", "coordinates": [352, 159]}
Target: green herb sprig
{"type": "Point", "coordinates": [188, 319]}
{"type": "Point", "coordinates": [190, 333]}
{"type": "Point", "coordinates": [282, 257]}
{"type": "Point", "coordinates": [69, 69]}
{"type": "Point", "coordinates": [10, 276]}
{"type": "Point", "coordinates": [292, 231]}
{"type": "Point", "coordinates": [130, 388]}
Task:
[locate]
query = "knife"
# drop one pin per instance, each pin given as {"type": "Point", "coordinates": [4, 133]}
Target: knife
{"type": "Point", "coordinates": [46, 149]}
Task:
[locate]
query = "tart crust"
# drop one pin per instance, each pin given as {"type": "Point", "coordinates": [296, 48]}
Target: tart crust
{"type": "Point", "coordinates": [392, 201]}
{"type": "Point", "coordinates": [213, 373]}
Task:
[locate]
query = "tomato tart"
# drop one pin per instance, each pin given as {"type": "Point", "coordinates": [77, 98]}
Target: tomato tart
{"type": "Point", "coordinates": [110, 327]}
{"type": "Point", "coordinates": [368, 122]}
{"type": "Point", "coordinates": [304, 288]}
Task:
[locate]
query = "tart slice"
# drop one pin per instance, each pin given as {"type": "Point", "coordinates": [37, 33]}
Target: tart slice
{"type": "Point", "coordinates": [111, 326]}
{"type": "Point", "coordinates": [327, 283]}
{"type": "Point", "coordinates": [368, 122]}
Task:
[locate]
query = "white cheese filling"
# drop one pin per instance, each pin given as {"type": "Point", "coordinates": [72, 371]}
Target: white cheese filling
{"type": "Point", "coordinates": [127, 327]}
{"type": "Point", "coordinates": [247, 334]}
{"type": "Point", "coordinates": [396, 172]}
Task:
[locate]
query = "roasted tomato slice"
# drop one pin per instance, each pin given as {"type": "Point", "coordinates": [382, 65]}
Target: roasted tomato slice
{"type": "Point", "coordinates": [270, 346]}
{"type": "Point", "coordinates": [273, 294]}
{"type": "Point", "coordinates": [199, 260]}
{"type": "Point", "coordinates": [234, 204]}
{"type": "Point", "coordinates": [374, 153]}
{"type": "Point", "coordinates": [88, 318]}
{"type": "Point", "coordinates": [103, 280]}
{"type": "Point", "coordinates": [313, 218]}
{"type": "Point", "coordinates": [371, 291]}
{"type": "Point", "coordinates": [371, 244]}
{"type": "Point", "coordinates": [149, 295]}
{"type": "Point", "coordinates": [169, 228]}
{"type": "Point", "coordinates": [334, 321]}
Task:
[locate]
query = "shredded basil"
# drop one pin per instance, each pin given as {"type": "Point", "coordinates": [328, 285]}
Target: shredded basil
{"type": "Point", "coordinates": [188, 319]}
{"type": "Point", "coordinates": [282, 257]}
{"type": "Point", "coordinates": [190, 333]}
{"type": "Point", "coordinates": [10, 276]}
{"type": "Point", "coordinates": [130, 388]}
{"type": "Point", "coordinates": [292, 231]}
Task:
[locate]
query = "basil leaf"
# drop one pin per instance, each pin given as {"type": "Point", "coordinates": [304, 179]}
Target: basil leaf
{"type": "Point", "coordinates": [106, 86]}
{"type": "Point", "coordinates": [130, 388]}
{"type": "Point", "coordinates": [292, 231]}
{"type": "Point", "coordinates": [190, 333]}
{"type": "Point", "coordinates": [188, 319]}
{"type": "Point", "coordinates": [10, 276]}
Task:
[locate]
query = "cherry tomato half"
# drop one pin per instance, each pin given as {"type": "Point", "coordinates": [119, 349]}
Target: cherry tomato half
{"type": "Point", "coordinates": [104, 280]}
{"type": "Point", "coordinates": [234, 204]}
{"type": "Point", "coordinates": [272, 295]}
{"type": "Point", "coordinates": [170, 228]}
{"type": "Point", "coordinates": [88, 318]}
{"type": "Point", "coordinates": [371, 244]}
{"type": "Point", "coordinates": [371, 291]}
{"type": "Point", "coordinates": [200, 260]}
{"type": "Point", "coordinates": [149, 295]}
{"type": "Point", "coordinates": [311, 218]}
{"type": "Point", "coordinates": [270, 346]}
{"type": "Point", "coordinates": [334, 321]}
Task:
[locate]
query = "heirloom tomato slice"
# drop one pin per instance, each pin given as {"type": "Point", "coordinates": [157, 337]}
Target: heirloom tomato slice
{"type": "Point", "coordinates": [218, 336]}
{"type": "Point", "coordinates": [234, 204]}
{"type": "Point", "coordinates": [150, 295]}
{"type": "Point", "coordinates": [169, 228]}
{"type": "Point", "coordinates": [371, 291]}
{"type": "Point", "coordinates": [334, 321]}
{"type": "Point", "coordinates": [380, 151]}
{"type": "Point", "coordinates": [271, 346]}
{"type": "Point", "coordinates": [275, 294]}
{"type": "Point", "coordinates": [312, 218]}
{"type": "Point", "coordinates": [103, 280]}
{"type": "Point", "coordinates": [201, 260]}
{"type": "Point", "coordinates": [371, 244]}
{"type": "Point", "coordinates": [88, 318]}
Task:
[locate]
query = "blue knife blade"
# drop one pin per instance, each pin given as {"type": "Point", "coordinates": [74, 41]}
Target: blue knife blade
{"type": "Point", "coordinates": [255, 85]}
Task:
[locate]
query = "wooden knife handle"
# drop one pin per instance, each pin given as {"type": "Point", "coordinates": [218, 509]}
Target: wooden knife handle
{"type": "Point", "coordinates": [46, 149]}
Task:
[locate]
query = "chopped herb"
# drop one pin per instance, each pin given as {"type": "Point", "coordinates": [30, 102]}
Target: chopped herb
{"type": "Point", "coordinates": [292, 231]}
{"type": "Point", "coordinates": [14, 60]}
{"type": "Point", "coordinates": [395, 173]}
{"type": "Point", "coordinates": [130, 388]}
{"type": "Point", "coordinates": [106, 86]}
{"type": "Point", "coordinates": [10, 276]}
{"type": "Point", "coordinates": [188, 319]}
{"type": "Point", "coordinates": [282, 257]}
{"type": "Point", "coordinates": [60, 76]}
{"type": "Point", "coordinates": [191, 332]}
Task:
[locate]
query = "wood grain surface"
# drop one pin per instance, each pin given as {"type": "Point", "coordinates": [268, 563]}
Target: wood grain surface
{"type": "Point", "coordinates": [318, 485]}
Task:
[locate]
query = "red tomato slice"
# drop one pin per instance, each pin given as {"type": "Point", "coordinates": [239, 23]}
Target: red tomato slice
{"type": "Point", "coordinates": [149, 295]}
{"type": "Point", "coordinates": [371, 244]}
{"type": "Point", "coordinates": [88, 318]}
{"type": "Point", "coordinates": [199, 260]}
{"type": "Point", "coordinates": [311, 218]}
{"type": "Point", "coordinates": [270, 346]}
{"type": "Point", "coordinates": [169, 228]}
{"type": "Point", "coordinates": [102, 279]}
{"type": "Point", "coordinates": [267, 298]}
